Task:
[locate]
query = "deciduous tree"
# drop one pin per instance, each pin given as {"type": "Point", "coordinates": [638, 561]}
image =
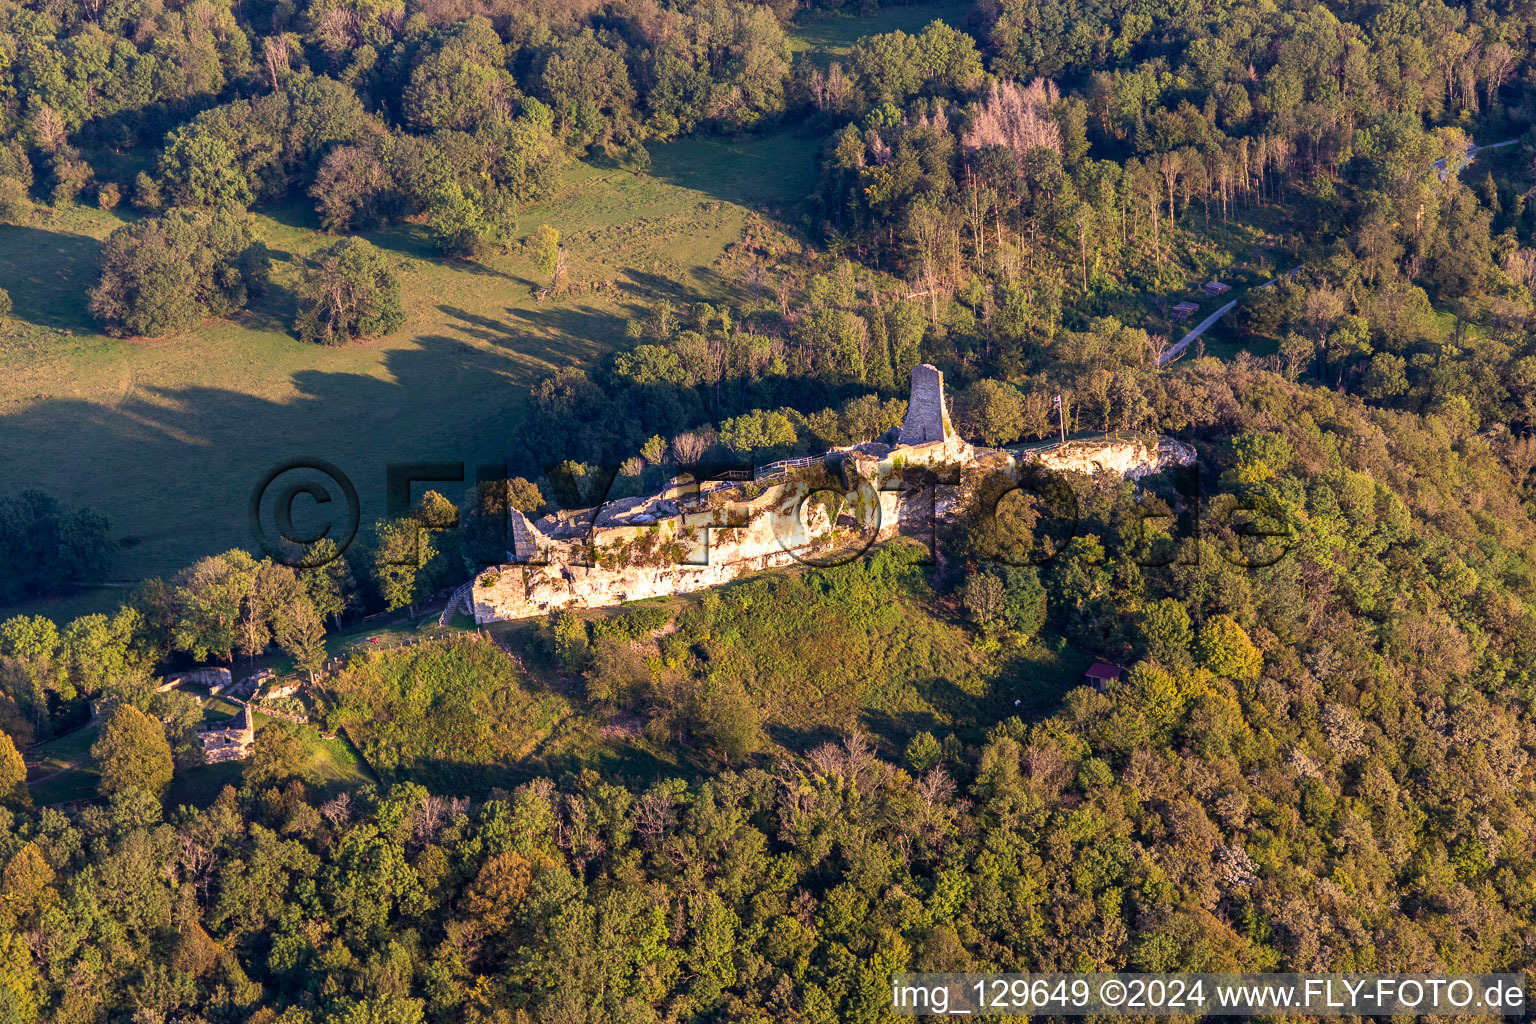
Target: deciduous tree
{"type": "Point", "coordinates": [165, 274]}
{"type": "Point", "coordinates": [13, 776]}
{"type": "Point", "coordinates": [132, 753]}
{"type": "Point", "coordinates": [351, 293]}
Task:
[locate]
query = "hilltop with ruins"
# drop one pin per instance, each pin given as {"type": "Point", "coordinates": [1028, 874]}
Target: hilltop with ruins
{"type": "Point", "coordinates": [699, 533]}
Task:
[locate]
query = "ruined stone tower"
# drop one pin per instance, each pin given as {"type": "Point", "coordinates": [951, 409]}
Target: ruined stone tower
{"type": "Point", "coordinates": [927, 413]}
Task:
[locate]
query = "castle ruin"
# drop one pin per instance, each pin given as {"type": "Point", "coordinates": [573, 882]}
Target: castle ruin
{"type": "Point", "coordinates": [699, 533]}
{"type": "Point", "coordinates": [229, 740]}
{"type": "Point", "coordinates": [927, 417]}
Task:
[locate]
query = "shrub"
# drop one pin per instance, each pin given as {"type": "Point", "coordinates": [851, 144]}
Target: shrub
{"type": "Point", "coordinates": [923, 752]}
{"type": "Point", "coordinates": [631, 624]}
{"type": "Point", "coordinates": [464, 221]}
{"type": "Point", "coordinates": [1006, 597]}
{"type": "Point", "coordinates": [70, 176]}
{"type": "Point", "coordinates": [15, 205]}
{"type": "Point", "coordinates": [147, 197]}
{"type": "Point", "coordinates": [292, 706]}
{"type": "Point", "coordinates": [546, 250]}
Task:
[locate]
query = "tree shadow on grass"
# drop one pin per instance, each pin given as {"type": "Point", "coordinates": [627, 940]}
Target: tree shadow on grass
{"type": "Point", "coordinates": [401, 238]}
{"type": "Point", "coordinates": [200, 786]}
{"type": "Point", "coordinates": [776, 169]}
{"type": "Point", "coordinates": [625, 764]}
{"type": "Point", "coordinates": [729, 289]}
{"type": "Point", "coordinates": [893, 731]}
{"type": "Point", "coordinates": [534, 352]}
{"type": "Point", "coordinates": [482, 327]}
{"type": "Point", "coordinates": [802, 740]}
{"type": "Point", "coordinates": [275, 309]}
{"type": "Point", "coordinates": [292, 212]}
{"type": "Point", "coordinates": [591, 329]}
{"type": "Point", "coordinates": [415, 241]}
{"type": "Point", "coordinates": [47, 274]}
{"type": "Point", "coordinates": [965, 714]}
{"type": "Point", "coordinates": [472, 266]}
{"type": "Point", "coordinates": [657, 286]}
{"type": "Point", "coordinates": [175, 467]}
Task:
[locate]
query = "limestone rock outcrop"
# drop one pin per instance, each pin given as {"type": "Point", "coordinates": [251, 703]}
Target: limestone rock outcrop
{"type": "Point", "coordinates": [700, 534]}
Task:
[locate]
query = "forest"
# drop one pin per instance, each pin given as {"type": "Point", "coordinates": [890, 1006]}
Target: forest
{"type": "Point", "coordinates": [1319, 764]}
{"type": "Point", "coordinates": [756, 804]}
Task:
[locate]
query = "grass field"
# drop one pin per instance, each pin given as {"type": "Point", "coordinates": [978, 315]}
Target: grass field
{"type": "Point", "coordinates": [830, 37]}
{"type": "Point", "coordinates": [170, 436]}
{"type": "Point", "coordinates": [888, 668]}
{"type": "Point", "coordinates": [457, 714]}
{"type": "Point", "coordinates": [61, 770]}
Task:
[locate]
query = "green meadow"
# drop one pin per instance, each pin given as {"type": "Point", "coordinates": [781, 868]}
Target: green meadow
{"type": "Point", "coordinates": [170, 436]}
{"type": "Point", "coordinates": [830, 38]}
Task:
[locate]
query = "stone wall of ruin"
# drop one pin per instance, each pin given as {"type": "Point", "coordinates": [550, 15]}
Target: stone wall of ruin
{"type": "Point", "coordinates": [720, 544]}
{"type": "Point", "coordinates": [927, 417]}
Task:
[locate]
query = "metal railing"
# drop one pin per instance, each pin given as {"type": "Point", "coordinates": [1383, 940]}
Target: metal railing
{"type": "Point", "coordinates": [457, 599]}
{"type": "Point", "coordinates": [785, 465]}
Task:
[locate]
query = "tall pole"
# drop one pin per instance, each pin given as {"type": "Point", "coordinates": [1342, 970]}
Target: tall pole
{"type": "Point", "coordinates": [1061, 416]}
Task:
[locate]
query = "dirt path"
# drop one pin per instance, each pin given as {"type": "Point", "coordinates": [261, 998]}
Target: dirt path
{"type": "Point", "coordinates": [52, 775]}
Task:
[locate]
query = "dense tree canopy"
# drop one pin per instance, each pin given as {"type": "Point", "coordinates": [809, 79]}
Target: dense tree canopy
{"type": "Point", "coordinates": [49, 549]}
{"type": "Point", "coordinates": [132, 754]}
{"type": "Point", "coordinates": [1318, 755]}
{"type": "Point", "coordinates": [166, 274]}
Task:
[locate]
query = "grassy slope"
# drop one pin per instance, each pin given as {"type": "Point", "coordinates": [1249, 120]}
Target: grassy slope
{"type": "Point", "coordinates": [834, 670]}
{"type": "Point", "coordinates": [455, 715]}
{"type": "Point", "coordinates": [59, 770]}
{"type": "Point", "coordinates": [330, 765]}
{"type": "Point", "coordinates": [169, 436]}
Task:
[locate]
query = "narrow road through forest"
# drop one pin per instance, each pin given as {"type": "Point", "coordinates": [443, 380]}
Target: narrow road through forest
{"type": "Point", "coordinates": [1472, 152]}
{"type": "Point", "coordinates": [1177, 350]}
